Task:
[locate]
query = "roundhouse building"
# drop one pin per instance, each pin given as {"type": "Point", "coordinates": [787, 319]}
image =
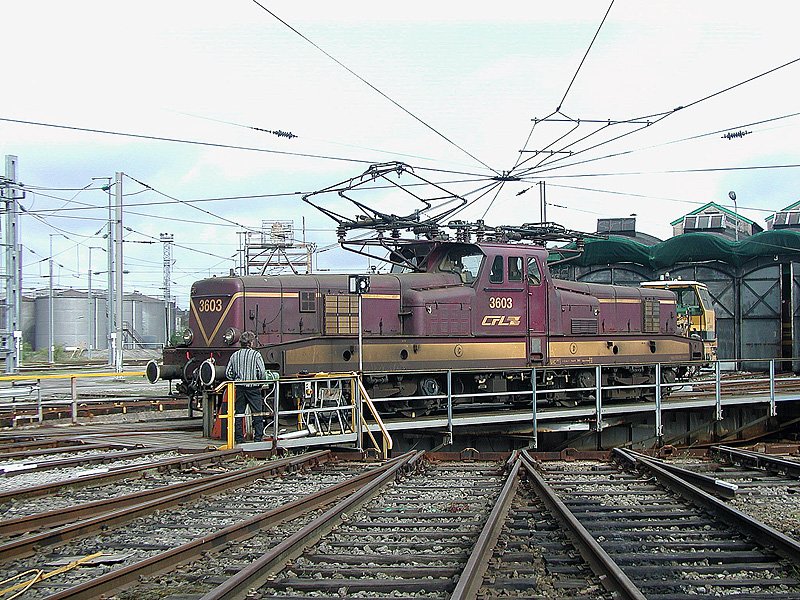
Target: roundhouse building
{"type": "Point", "coordinates": [754, 282]}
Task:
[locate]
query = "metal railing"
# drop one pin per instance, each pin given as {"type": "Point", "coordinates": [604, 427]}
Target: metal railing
{"type": "Point", "coordinates": [24, 386]}
{"type": "Point", "coordinates": [331, 410]}
{"type": "Point", "coordinates": [759, 387]}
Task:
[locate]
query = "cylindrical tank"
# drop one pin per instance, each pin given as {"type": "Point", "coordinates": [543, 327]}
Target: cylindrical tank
{"type": "Point", "coordinates": [28, 317]}
{"type": "Point", "coordinates": [71, 315]}
{"type": "Point", "coordinates": [146, 317]}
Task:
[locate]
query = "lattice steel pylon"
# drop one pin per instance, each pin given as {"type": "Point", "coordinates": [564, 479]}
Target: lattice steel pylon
{"type": "Point", "coordinates": [274, 250]}
{"type": "Point", "coordinates": [167, 239]}
{"type": "Point", "coordinates": [10, 274]}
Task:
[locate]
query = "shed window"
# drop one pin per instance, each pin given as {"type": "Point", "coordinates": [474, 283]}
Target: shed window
{"type": "Point", "coordinates": [496, 274]}
{"type": "Point", "coordinates": [707, 221]}
{"type": "Point", "coordinates": [308, 302]}
{"type": "Point", "coordinates": [786, 217]}
{"type": "Point", "coordinates": [515, 268]}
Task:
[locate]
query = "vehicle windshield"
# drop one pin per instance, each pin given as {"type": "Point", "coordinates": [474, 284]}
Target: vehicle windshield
{"type": "Point", "coordinates": [463, 261]}
{"type": "Point", "coordinates": [409, 259]}
{"type": "Point", "coordinates": [705, 298]}
{"type": "Point", "coordinates": [688, 301]}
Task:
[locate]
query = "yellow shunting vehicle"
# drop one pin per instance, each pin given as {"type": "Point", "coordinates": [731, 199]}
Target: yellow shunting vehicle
{"type": "Point", "coordinates": [695, 311]}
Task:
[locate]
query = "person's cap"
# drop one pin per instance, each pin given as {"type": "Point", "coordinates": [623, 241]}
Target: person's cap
{"type": "Point", "coordinates": [248, 337]}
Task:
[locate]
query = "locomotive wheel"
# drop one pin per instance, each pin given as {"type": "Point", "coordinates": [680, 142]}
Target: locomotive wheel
{"type": "Point", "coordinates": [427, 386]}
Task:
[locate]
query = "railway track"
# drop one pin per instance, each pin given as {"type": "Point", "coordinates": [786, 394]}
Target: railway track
{"type": "Point", "coordinates": [84, 485]}
{"type": "Point", "coordinates": [418, 527]}
{"type": "Point", "coordinates": [767, 487]}
{"type": "Point", "coordinates": [129, 535]}
{"type": "Point", "coordinates": [29, 478]}
{"type": "Point", "coordinates": [534, 557]}
{"type": "Point", "coordinates": [667, 545]}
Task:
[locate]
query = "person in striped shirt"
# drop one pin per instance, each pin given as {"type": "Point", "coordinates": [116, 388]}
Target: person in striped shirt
{"type": "Point", "coordinates": [247, 365]}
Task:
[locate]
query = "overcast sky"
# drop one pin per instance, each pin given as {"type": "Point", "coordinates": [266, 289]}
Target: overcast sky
{"type": "Point", "coordinates": [475, 73]}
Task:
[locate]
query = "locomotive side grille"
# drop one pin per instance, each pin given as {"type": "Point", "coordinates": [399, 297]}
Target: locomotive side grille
{"type": "Point", "coordinates": [341, 314]}
{"type": "Point", "coordinates": [584, 326]}
{"type": "Point", "coordinates": [651, 313]}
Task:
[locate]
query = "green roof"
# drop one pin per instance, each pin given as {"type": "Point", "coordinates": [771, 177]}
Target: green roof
{"type": "Point", "coordinates": [690, 248]}
{"type": "Point", "coordinates": [721, 209]}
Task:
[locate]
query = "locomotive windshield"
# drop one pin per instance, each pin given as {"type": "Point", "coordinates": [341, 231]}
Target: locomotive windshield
{"type": "Point", "coordinates": [410, 258]}
{"type": "Point", "coordinates": [688, 301]}
{"type": "Point", "coordinates": [464, 261]}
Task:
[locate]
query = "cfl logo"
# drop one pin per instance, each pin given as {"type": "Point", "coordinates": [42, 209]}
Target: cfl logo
{"type": "Point", "coordinates": [501, 321]}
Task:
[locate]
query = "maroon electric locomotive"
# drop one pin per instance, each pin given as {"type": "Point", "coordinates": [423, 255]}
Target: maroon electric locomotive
{"type": "Point", "coordinates": [483, 305]}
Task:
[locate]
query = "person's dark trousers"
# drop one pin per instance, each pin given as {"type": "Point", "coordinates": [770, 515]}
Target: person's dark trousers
{"type": "Point", "coordinates": [249, 395]}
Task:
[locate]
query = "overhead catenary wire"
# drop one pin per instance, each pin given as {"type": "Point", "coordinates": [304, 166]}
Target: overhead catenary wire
{"type": "Point", "coordinates": [596, 33]}
{"type": "Point", "coordinates": [677, 141]}
{"type": "Point", "coordinates": [87, 206]}
{"type": "Point", "coordinates": [387, 97]}
{"type": "Point", "coordinates": [648, 197]}
{"type": "Point", "coordinates": [185, 141]}
{"type": "Point", "coordinates": [670, 171]}
{"type": "Point", "coordinates": [202, 210]}
{"type": "Point", "coordinates": [569, 87]}
{"type": "Point", "coordinates": [304, 137]}
{"type": "Point", "coordinates": [555, 158]}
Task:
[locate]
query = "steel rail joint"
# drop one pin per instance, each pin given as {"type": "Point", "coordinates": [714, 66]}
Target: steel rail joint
{"type": "Point", "coordinates": [472, 575]}
{"type": "Point", "coordinates": [611, 575]}
{"type": "Point", "coordinates": [762, 533]}
{"type": "Point", "coordinates": [257, 572]}
{"type": "Point", "coordinates": [159, 563]}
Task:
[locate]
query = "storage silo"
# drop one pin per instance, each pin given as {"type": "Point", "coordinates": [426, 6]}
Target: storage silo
{"type": "Point", "coordinates": [71, 320]}
{"type": "Point", "coordinates": [145, 320]}
{"type": "Point", "coordinates": [28, 318]}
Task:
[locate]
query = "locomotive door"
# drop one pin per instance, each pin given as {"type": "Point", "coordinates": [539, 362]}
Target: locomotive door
{"type": "Point", "coordinates": [537, 309]}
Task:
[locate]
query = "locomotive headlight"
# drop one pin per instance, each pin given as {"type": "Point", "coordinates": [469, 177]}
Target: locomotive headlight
{"type": "Point", "coordinates": [231, 336]}
{"type": "Point", "coordinates": [188, 336]}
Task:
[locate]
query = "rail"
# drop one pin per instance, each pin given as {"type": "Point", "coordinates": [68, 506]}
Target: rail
{"type": "Point", "coordinates": [613, 577]}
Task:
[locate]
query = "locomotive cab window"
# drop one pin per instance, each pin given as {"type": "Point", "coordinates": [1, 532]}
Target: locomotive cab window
{"type": "Point", "coordinates": [534, 274]}
{"type": "Point", "coordinates": [496, 274]}
{"type": "Point", "coordinates": [688, 302]}
{"type": "Point", "coordinates": [515, 268]}
{"type": "Point", "coordinates": [464, 261]}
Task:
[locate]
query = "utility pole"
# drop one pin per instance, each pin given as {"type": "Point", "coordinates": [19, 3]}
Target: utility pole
{"type": "Point", "coordinates": [92, 311]}
{"type": "Point", "coordinates": [11, 272]}
{"type": "Point", "coordinates": [167, 239]}
{"type": "Point", "coordinates": [118, 257]}
{"type": "Point", "coordinates": [109, 273]}
{"type": "Point", "coordinates": [50, 323]}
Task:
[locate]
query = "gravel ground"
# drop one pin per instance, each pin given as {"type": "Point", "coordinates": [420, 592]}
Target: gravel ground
{"type": "Point", "coordinates": [24, 480]}
{"type": "Point", "coordinates": [67, 497]}
{"type": "Point", "coordinates": [157, 532]}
